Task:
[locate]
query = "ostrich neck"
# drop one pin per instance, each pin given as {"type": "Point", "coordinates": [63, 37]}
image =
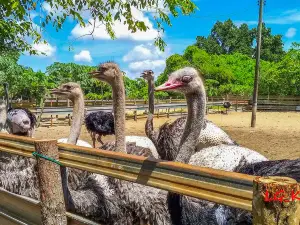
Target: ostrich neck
{"type": "Point", "coordinates": [78, 116]}
{"type": "Point", "coordinates": [196, 110]}
{"type": "Point", "coordinates": [151, 95]}
{"type": "Point", "coordinates": [119, 111]}
{"type": "Point", "coordinates": [151, 134]}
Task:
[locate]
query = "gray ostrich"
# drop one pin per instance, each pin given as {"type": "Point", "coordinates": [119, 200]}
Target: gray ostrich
{"type": "Point", "coordinates": [187, 210]}
{"type": "Point", "coordinates": [89, 194]}
{"type": "Point", "coordinates": [167, 138]}
{"type": "Point", "coordinates": [147, 203]}
{"type": "Point", "coordinates": [19, 121]}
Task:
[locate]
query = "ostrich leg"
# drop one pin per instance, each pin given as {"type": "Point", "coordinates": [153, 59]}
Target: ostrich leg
{"type": "Point", "coordinates": [99, 139]}
{"type": "Point", "coordinates": [93, 136]}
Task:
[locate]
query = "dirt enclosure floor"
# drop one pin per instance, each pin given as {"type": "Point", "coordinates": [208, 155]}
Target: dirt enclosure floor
{"type": "Point", "coordinates": [277, 135]}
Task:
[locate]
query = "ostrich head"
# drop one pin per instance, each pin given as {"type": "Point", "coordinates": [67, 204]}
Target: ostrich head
{"type": "Point", "coordinates": [186, 80]}
{"type": "Point", "coordinates": [147, 74]}
{"type": "Point", "coordinates": [68, 90]}
{"type": "Point", "coordinates": [20, 121]}
{"type": "Point", "coordinates": [107, 72]}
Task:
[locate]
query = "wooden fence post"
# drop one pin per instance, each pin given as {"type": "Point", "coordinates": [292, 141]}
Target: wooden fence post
{"type": "Point", "coordinates": [236, 103]}
{"type": "Point", "coordinates": [273, 201]}
{"type": "Point", "coordinates": [168, 113]}
{"type": "Point", "coordinates": [157, 113]}
{"type": "Point", "coordinates": [135, 115]}
{"type": "Point", "coordinates": [52, 200]}
{"type": "Point", "coordinates": [69, 119]}
{"type": "Point", "coordinates": [51, 121]}
{"type": "Point", "coordinates": [68, 103]}
{"type": "Point", "coordinates": [170, 101]}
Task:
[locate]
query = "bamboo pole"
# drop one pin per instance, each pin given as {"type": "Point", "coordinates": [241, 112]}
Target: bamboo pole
{"type": "Point", "coordinates": [52, 200]}
{"type": "Point", "coordinates": [274, 201]}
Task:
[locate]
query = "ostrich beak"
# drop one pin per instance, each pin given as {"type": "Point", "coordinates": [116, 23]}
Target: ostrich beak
{"type": "Point", "coordinates": [54, 91]}
{"type": "Point", "coordinates": [143, 75]}
{"type": "Point", "coordinates": [58, 91]}
{"type": "Point", "coordinates": [94, 74]}
{"type": "Point", "coordinates": [169, 85]}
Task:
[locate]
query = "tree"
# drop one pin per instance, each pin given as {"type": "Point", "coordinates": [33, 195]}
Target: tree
{"type": "Point", "coordinates": [271, 45]}
{"type": "Point", "coordinates": [227, 38]}
{"type": "Point", "coordinates": [17, 26]}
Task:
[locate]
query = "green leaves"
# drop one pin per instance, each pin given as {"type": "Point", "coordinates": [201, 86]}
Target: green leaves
{"type": "Point", "coordinates": [227, 38]}
{"type": "Point", "coordinates": [13, 13]}
{"type": "Point", "coordinates": [234, 73]}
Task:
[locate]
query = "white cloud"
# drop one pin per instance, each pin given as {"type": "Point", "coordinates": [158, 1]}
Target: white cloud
{"type": "Point", "coordinates": [147, 64]}
{"type": "Point", "coordinates": [143, 57]}
{"type": "Point", "coordinates": [144, 52]}
{"type": "Point", "coordinates": [83, 56]}
{"type": "Point", "coordinates": [286, 17]}
{"type": "Point", "coordinates": [48, 49]}
{"type": "Point", "coordinates": [291, 32]}
{"type": "Point", "coordinates": [160, 5]}
{"type": "Point", "coordinates": [121, 30]}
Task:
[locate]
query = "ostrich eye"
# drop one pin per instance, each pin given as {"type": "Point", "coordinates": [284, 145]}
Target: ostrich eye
{"type": "Point", "coordinates": [67, 87]}
{"type": "Point", "coordinates": [186, 79]}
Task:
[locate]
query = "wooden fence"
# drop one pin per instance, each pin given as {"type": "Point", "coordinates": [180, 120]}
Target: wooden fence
{"type": "Point", "coordinates": [228, 188]}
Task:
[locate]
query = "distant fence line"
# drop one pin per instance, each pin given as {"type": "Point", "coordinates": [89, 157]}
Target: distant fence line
{"type": "Point", "coordinates": [222, 187]}
{"type": "Point", "coordinates": [54, 117]}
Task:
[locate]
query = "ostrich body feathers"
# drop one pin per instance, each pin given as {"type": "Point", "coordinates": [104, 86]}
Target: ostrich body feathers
{"type": "Point", "coordinates": [170, 135]}
{"type": "Point", "coordinates": [79, 142]}
{"type": "Point", "coordinates": [100, 122]}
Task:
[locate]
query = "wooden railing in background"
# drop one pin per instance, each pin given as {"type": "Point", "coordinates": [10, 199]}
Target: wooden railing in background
{"type": "Point", "coordinates": [227, 188]}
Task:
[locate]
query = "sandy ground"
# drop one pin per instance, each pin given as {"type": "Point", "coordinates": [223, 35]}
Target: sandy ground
{"type": "Point", "coordinates": [277, 135]}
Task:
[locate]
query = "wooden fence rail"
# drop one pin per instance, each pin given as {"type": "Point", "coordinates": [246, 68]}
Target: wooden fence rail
{"type": "Point", "coordinates": [228, 188]}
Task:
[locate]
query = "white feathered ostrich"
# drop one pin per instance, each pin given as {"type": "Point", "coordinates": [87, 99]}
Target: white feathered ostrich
{"type": "Point", "coordinates": [167, 138]}
{"type": "Point", "coordinates": [186, 210]}
{"type": "Point", "coordinates": [147, 203]}
{"type": "Point", "coordinates": [19, 121]}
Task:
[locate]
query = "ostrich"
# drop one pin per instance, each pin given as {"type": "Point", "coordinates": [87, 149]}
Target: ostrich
{"type": "Point", "coordinates": [101, 123]}
{"type": "Point", "coordinates": [167, 138]}
{"type": "Point", "coordinates": [73, 92]}
{"type": "Point", "coordinates": [147, 203]}
{"type": "Point", "coordinates": [20, 121]}
{"type": "Point", "coordinates": [226, 105]}
{"type": "Point", "coordinates": [90, 195]}
{"type": "Point", "coordinates": [187, 210]}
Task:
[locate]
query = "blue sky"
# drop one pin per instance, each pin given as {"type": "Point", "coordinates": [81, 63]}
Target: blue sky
{"type": "Point", "coordinates": [135, 52]}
